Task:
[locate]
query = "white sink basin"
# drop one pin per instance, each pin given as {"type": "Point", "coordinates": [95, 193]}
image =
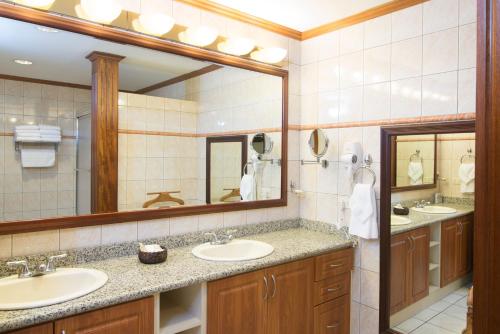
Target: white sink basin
{"type": "Point", "coordinates": [435, 209]}
{"type": "Point", "coordinates": [236, 250]}
{"type": "Point", "coordinates": [63, 285]}
{"type": "Point", "coordinates": [398, 220]}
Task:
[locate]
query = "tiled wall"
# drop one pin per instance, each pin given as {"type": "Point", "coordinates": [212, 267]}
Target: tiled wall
{"type": "Point", "coordinates": [407, 147]}
{"type": "Point", "coordinates": [413, 63]}
{"type": "Point", "coordinates": [28, 193]}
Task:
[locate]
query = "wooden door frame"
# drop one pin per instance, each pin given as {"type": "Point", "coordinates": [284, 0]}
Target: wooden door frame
{"type": "Point", "coordinates": [385, 199]}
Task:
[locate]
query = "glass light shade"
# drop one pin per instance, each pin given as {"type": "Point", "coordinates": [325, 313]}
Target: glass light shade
{"type": "Point", "coordinates": [199, 36]}
{"type": "Point", "coordinates": [156, 24]}
{"type": "Point", "coordinates": [102, 11]}
{"type": "Point", "coordinates": [237, 46]}
{"type": "Point", "coordinates": [269, 55]}
{"type": "Point", "coordinates": [41, 4]}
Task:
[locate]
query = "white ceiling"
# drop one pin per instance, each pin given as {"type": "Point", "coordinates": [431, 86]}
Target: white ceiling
{"type": "Point", "coordinates": [301, 14]}
{"type": "Point", "coordinates": [61, 57]}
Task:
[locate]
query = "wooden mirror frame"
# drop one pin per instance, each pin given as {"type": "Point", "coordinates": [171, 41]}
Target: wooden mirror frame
{"type": "Point", "coordinates": [385, 200]}
{"type": "Point", "coordinates": [394, 166]}
{"type": "Point", "coordinates": [118, 35]}
{"type": "Point", "coordinates": [223, 139]}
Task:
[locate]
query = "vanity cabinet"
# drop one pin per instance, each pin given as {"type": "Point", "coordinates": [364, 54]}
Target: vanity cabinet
{"type": "Point", "coordinates": [300, 297]}
{"type": "Point", "coordinates": [40, 329]}
{"type": "Point", "coordinates": [409, 268]}
{"type": "Point", "coordinates": [456, 248]}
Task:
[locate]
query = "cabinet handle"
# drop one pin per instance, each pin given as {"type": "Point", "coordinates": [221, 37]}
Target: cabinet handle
{"type": "Point", "coordinates": [336, 265]}
{"type": "Point", "coordinates": [274, 285]}
{"type": "Point", "coordinates": [267, 288]}
{"type": "Point", "coordinates": [63, 332]}
{"type": "Point", "coordinates": [333, 289]}
{"type": "Point", "coordinates": [335, 325]}
{"type": "Point", "coordinates": [410, 245]}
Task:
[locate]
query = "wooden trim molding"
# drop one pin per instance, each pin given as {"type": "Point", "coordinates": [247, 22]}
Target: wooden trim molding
{"type": "Point", "coordinates": [387, 133]}
{"type": "Point", "coordinates": [180, 78]}
{"type": "Point", "coordinates": [104, 134]}
{"type": "Point", "coordinates": [45, 82]}
{"type": "Point", "coordinates": [243, 17]}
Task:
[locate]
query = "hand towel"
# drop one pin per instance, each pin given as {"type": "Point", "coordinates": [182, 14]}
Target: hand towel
{"type": "Point", "coordinates": [467, 174]}
{"type": "Point", "coordinates": [415, 172]}
{"type": "Point", "coordinates": [363, 212]}
{"type": "Point", "coordinates": [247, 188]}
{"type": "Point", "coordinates": [36, 156]}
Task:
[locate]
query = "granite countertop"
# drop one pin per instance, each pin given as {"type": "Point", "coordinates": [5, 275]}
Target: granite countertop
{"type": "Point", "coordinates": [423, 219]}
{"type": "Point", "coordinates": [129, 279]}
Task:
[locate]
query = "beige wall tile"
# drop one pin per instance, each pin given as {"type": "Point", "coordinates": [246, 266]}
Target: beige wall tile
{"type": "Point", "coordinates": [80, 237]}
{"type": "Point", "coordinates": [116, 233]}
{"type": "Point", "coordinates": [5, 246]}
{"type": "Point", "coordinates": [35, 242]}
{"type": "Point", "coordinates": [153, 228]}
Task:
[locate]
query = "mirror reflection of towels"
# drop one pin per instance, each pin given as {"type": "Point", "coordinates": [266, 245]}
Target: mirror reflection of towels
{"type": "Point", "coordinates": [467, 174]}
{"type": "Point", "coordinates": [415, 172]}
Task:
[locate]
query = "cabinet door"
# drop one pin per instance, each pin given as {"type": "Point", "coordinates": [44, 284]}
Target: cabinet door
{"type": "Point", "coordinates": [465, 232]}
{"type": "Point", "coordinates": [449, 251]}
{"type": "Point", "coordinates": [290, 298]}
{"type": "Point", "coordinates": [135, 317]}
{"type": "Point", "coordinates": [419, 250]}
{"type": "Point", "coordinates": [399, 271]}
{"type": "Point", "coordinates": [41, 329]}
{"type": "Point", "coordinates": [333, 317]}
{"type": "Point", "coordinates": [237, 304]}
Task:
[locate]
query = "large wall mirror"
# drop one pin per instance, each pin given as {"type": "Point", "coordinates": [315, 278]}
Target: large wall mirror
{"type": "Point", "coordinates": [169, 106]}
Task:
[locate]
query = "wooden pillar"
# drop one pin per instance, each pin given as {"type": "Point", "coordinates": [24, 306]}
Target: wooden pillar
{"type": "Point", "coordinates": [104, 156]}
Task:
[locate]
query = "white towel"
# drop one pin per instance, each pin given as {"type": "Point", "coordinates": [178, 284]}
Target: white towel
{"type": "Point", "coordinates": [467, 174]}
{"type": "Point", "coordinates": [38, 156]}
{"type": "Point", "coordinates": [415, 172]}
{"type": "Point", "coordinates": [247, 188]}
{"type": "Point", "coordinates": [363, 212]}
{"type": "Point", "coordinates": [45, 127]}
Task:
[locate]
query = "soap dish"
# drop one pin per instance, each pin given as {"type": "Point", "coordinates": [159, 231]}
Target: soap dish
{"type": "Point", "coordinates": [153, 257]}
{"type": "Point", "coordinates": [401, 211]}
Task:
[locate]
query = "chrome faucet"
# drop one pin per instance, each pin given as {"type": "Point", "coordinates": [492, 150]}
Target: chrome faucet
{"type": "Point", "coordinates": [222, 239]}
{"type": "Point", "coordinates": [43, 269]}
{"type": "Point", "coordinates": [422, 204]}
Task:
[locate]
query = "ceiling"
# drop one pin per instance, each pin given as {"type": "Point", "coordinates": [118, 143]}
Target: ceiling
{"type": "Point", "coordinates": [61, 57]}
{"type": "Point", "coordinates": [301, 15]}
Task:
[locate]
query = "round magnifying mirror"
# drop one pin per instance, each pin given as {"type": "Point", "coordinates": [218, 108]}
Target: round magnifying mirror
{"type": "Point", "coordinates": [262, 143]}
{"type": "Point", "coordinates": [318, 142]}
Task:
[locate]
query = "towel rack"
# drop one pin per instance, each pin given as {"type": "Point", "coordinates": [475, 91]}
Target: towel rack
{"type": "Point", "coordinates": [468, 155]}
{"type": "Point", "coordinates": [416, 155]}
{"type": "Point", "coordinates": [366, 166]}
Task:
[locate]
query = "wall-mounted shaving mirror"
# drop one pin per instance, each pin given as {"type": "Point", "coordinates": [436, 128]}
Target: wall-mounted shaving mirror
{"type": "Point", "coordinates": [262, 143]}
{"type": "Point", "coordinates": [167, 109]}
{"type": "Point", "coordinates": [318, 143]}
{"type": "Point", "coordinates": [414, 162]}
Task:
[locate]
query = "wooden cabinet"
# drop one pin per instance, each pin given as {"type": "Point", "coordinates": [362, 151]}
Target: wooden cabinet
{"type": "Point", "coordinates": [281, 299]}
{"type": "Point", "coordinates": [135, 317]}
{"type": "Point", "coordinates": [409, 268]}
{"type": "Point", "coordinates": [40, 329]}
{"type": "Point", "coordinates": [456, 248]}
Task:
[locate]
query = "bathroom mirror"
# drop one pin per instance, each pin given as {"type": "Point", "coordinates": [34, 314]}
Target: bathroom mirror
{"type": "Point", "coordinates": [262, 143]}
{"type": "Point", "coordinates": [226, 160]}
{"type": "Point", "coordinates": [318, 143]}
{"type": "Point", "coordinates": [168, 107]}
{"type": "Point", "coordinates": [414, 162]}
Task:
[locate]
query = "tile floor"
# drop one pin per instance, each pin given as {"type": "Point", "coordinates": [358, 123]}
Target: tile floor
{"type": "Point", "coordinates": [448, 316]}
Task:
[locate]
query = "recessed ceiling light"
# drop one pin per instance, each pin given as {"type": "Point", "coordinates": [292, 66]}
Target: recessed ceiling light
{"type": "Point", "coordinates": [23, 62]}
{"type": "Point", "coordinates": [47, 29]}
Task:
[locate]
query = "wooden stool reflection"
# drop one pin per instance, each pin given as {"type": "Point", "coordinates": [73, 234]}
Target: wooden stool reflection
{"type": "Point", "coordinates": [163, 197]}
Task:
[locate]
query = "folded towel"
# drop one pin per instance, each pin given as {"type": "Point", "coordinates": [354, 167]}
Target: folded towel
{"type": "Point", "coordinates": [467, 175]}
{"type": "Point", "coordinates": [363, 212]}
{"type": "Point", "coordinates": [38, 156]}
{"type": "Point", "coordinates": [415, 172]}
{"type": "Point", "coordinates": [26, 127]}
{"type": "Point", "coordinates": [247, 188]}
{"type": "Point", "coordinates": [49, 127]}
{"type": "Point", "coordinates": [50, 133]}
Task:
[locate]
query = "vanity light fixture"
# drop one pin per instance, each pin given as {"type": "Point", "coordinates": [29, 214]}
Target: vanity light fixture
{"type": "Point", "coordinates": [23, 62]}
{"type": "Point", "coordinates": [198, 36]}
{"type": "Point", "coordinates": [237, 46]}
{"type": "Point", "coordinates": [156, 24]}
{"type": "Point", "coordinates": [271, 55]}
{"type": "Point", "coordinates": [101, 11]}
{"type": "Point", "coordinates": [47, 29]}
{"type": "Point", "coordinates": [40, 4]}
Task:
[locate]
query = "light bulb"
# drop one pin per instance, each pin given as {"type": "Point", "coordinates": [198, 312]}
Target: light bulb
{"type": "Point", "coordinates": [156, 24]}
{"type": "Point", "coordinates": [237, 46]}
{"type": "Point", "coordinates": [271, 55]}
{"type": "Point", "coordinates": [41, 4]}
{"type": "Point", "coordinates": [199, 36]}
{"type": "Point", "coordinates": [102, 11]}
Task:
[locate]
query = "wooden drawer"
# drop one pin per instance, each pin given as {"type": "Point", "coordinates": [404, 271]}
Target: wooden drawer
{"type": "Point", "coordinates": [333, 317]}
{"type": "Point", "coordinates": [331, 288]}
{"type": "Point", "coordinates": [333, 264]}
